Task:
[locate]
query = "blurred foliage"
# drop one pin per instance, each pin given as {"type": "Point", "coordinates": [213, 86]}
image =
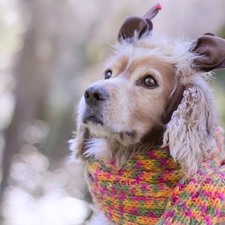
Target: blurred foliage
{"type": "Point", "coordinates": [50, 51]}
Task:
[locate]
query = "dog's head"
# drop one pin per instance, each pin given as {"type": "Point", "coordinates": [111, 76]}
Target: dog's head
{"type": "Point", "coordinates": [151, 85]}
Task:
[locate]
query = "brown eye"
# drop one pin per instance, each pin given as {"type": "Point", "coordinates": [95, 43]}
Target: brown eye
{"type": "Point", "coordinates": [108, 74]}
{"type": "Point", "coordinates": [149, 82]}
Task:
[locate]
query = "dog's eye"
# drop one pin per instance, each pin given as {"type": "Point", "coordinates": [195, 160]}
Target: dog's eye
{"type": "Point", "coordinates": [149, 82]}
{"type": "Point", "coordinates": [108, 74]}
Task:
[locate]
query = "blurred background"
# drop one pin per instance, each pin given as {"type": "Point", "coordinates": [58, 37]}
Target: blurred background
{"type": "Point", "coordinates": [50, 51]}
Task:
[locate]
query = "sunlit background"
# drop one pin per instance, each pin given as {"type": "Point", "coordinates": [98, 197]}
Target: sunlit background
{"type": "Point", "coordinates": [50, 51]}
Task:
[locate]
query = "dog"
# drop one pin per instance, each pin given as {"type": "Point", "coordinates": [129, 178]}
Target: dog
{"type": "Point", "coordinates": [154, 92]}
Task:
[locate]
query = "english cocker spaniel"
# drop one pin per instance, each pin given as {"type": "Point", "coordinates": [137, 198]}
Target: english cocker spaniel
{"type": "Point", "coordinates": [154, 92]}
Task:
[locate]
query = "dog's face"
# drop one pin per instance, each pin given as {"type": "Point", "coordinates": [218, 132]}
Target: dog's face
{"type": "Point", "coordinates": [131, 98]}
{"type": "Point", "coordinates": [119, 113]}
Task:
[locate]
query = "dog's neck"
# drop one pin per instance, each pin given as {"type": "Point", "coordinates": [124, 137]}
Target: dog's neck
{"type": "Point", "coordinates": [111, 148]}
{"type": "Point", "coordinates": [152, 182]}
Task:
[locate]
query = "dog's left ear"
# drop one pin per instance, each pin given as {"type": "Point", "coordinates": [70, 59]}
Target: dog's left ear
{"type": "Point", "coordinates": [210, 51]}
{"type": "Point", "coordinates": [190, 134]}
{"type": "Point", "coordinates": [142, 25]}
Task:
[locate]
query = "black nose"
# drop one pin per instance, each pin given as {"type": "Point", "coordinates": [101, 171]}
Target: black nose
{"type": "Point", "coordinates": [94, 95]}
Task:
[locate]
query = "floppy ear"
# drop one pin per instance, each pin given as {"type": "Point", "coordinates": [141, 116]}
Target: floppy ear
{"type": "Point", "coordinates": [140, 24]}
{"type": "Point", "coordinates": [190, 132]}
{"type": "Point", "coordinates": [173, 104]}
{"type": "Point", "coordinates": [210, 51]}
{"type": "Point", "coordinates": [77, 145]}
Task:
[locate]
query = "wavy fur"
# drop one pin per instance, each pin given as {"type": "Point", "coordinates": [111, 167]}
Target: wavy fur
{"type": "Point", "coordinates": [190, 132]}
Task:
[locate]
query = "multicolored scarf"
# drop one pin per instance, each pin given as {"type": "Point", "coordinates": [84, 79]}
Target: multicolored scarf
{"type": "Point", "coordinates": [151, 189]}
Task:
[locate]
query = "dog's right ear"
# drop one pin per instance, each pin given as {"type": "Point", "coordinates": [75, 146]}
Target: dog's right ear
{"type": "Point", "coordinates": [77, 145]}
{"type": "Point", "coordinates": [142, 25]}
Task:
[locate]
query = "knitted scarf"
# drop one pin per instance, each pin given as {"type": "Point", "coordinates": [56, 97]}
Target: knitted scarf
{"type": "Point", "coordinates": [151, 189]}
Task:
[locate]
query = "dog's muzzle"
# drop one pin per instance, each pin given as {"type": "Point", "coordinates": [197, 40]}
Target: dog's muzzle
{"type": "Point", "coordinates": [95, 95]}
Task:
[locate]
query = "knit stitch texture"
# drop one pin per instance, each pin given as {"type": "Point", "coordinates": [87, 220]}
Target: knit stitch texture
{"type": "Point", "coordinates": [151, 189]}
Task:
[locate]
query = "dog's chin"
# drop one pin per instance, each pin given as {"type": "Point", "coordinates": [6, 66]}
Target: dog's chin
{"type": "Point", "coordinates": [97, 128]}
{"type": "Point", "coordinates": [125, 138]}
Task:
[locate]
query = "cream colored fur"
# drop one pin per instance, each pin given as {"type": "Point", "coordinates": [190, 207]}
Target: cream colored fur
{"type": "Point", "coordinates": [190, 132]}
{"type": "Point", "coordinates": [132, 115]}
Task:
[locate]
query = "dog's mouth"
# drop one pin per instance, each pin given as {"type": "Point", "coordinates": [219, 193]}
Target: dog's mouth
{"type": "Point", "coordinates": [93, 119]}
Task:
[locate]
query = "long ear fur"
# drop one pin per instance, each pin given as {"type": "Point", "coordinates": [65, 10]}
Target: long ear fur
{"type": "Point", "coordinates": [190, 134]}
{"type": "Point", "coordinates": [77, 145]}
